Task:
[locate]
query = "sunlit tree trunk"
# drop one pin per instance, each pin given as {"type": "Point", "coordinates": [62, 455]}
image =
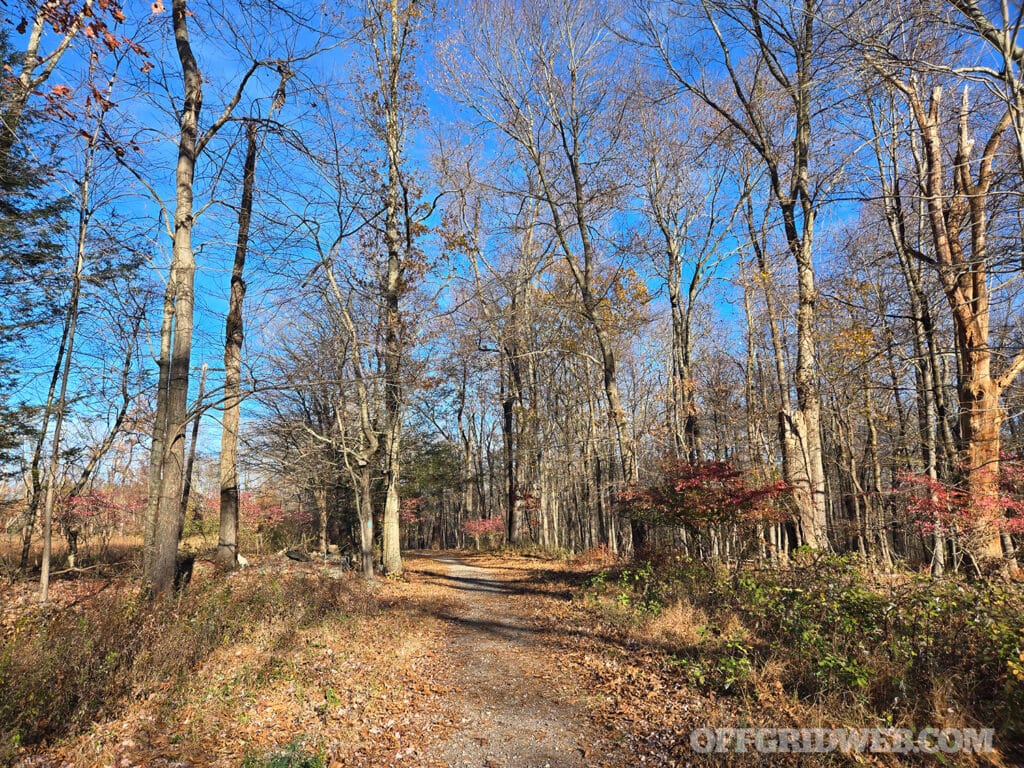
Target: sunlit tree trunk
{"type": "Point", "coordinates": [227, 540]}
{"type": "Point", "coordinates": [390, 24]}
{"type": "Point", "coordinates": [176, 331]}
{"type": "Point", "coordinates": [964, 274]}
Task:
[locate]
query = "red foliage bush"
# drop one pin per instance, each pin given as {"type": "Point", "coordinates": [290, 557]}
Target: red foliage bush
{"type": "Point", "coordinates": [932, 506]}
{"type": "Point", "coordinates": [706, 493]}
{"type": "Point", "coordinates": [102, 507]}
{"type": "Point", "coordinates": [484, 526]}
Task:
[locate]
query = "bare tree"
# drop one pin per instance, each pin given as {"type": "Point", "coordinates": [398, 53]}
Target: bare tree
{"type": "Point", "coordinates": [766, 95]}
{"type": "Point", "coordinates": [389, 34]}
{"type": "Point", "coordinates": [686, 201]}
{"type": "Point", "coordinates": [542, 75]}
{"type": "Point", "coordinates": [174, 363]}
{"type": "Point", "coordinates": [958, 215]}
{"type": "Point", "coordinates": [234, 335]}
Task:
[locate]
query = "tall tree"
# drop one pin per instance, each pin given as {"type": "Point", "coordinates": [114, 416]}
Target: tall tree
{"type": "Point", "coordinates": [958, 217]}
{"type": "Point", "coordinates": [167, 460]}
{"type": "Point", "coordinates": [763, 82]}
{"type": "Point", "coordinates": [389, 32]}
{"type": "Point", "coordinates": [234, 335]}
{"type": "Point", "coordinates": [962, 193]}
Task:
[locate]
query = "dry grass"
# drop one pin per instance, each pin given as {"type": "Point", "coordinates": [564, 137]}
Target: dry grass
{"type": "Point", "coordinates": [100, 645]}
{"type": "Point", "coordinates": [117, 552]}
{"type": "Point", "coordinates": [680, 623]}
{"type": "Point", "coordinates": [280, 658]}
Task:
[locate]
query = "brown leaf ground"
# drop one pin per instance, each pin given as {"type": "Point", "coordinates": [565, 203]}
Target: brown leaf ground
{"type": "Point", "coordinates": [470, 661]}
{"type": "Point", "coordinates": [449, 667]}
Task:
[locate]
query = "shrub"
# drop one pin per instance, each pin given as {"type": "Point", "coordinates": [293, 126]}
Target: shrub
{"type": "Point", "coordinates": [489, 529]}
{"type": "Point", "coordinates": [711, 500]}
{"type": "Point", "coordinates": [904, 650]}
{"type": "Point", "coordinates": [271, 526]}
{"type": "Point", "coordinates": [92, 518]}
{"type": "Point", "coordinates": [707, 493]}
{"type": "Point", "coordinates": [930, 506]}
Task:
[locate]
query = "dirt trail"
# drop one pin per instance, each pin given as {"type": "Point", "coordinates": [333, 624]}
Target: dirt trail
{"type": "Point", "coordinates": [516, 708]}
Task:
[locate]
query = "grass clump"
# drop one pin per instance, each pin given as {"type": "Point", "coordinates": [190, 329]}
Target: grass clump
{"type": "Point", "coordinates": [295, 755]}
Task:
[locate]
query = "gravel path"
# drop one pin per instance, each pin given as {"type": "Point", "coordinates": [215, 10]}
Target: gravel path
{"type": "Point", "coordinates": [514, 712]}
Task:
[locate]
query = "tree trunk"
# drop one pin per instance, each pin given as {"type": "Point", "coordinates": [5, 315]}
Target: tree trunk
{"type": "Point", "coordinates": [227, 540]}
{"type": "Point", "coordinates": [685, 427]}
{"type": "Point", "coordinates": [84, 213]}
{"type": "Point", "coordinates": [805, 425]}
{"type": "Point", "coordinates": [964, 276]}
{"type": "Point", "coordinates": [931, 415]}
{"type": "Point", "coordinates": [392, 417]}
{"type": "Point", "coordinates": [396, 236]}
{"type": "Point", "coordinates": [156, 453]}
{"type": "Point", "coordinates": [364, 501]}
{"type": "Point", "coordinates": [186, 491]}
{"type": "Point", "coordinates": [513, 520]}
{"type": "Point", "coordinates": [176, 335]}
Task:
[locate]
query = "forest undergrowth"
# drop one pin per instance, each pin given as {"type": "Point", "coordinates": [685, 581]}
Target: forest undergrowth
{"type": "Point", "coordinates": [297, 664]}
{"type": "Point", "coordinates": [825, 643]}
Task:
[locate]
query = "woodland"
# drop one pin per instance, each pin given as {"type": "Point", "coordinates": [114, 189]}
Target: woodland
{"type": "Point", "coordinates": [704, 315]}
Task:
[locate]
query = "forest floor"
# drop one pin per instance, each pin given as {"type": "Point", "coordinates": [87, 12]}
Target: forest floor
{"type": "Point", "coordinates": [461, 663]}
{"type": "Point", "coordinates": [469, 661]}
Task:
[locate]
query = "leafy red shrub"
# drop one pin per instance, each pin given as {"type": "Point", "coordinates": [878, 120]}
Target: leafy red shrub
{"type": "Point", "coordinates": [706, 493]}
{"type": "Point", "coordinates": [102, 505]}
{"type": "Point", "coordinates": [483, 526]}
{"type": "Point", "coordinates": [490, 528]}
{"type": "Point", "coordinates": [932, 506]}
